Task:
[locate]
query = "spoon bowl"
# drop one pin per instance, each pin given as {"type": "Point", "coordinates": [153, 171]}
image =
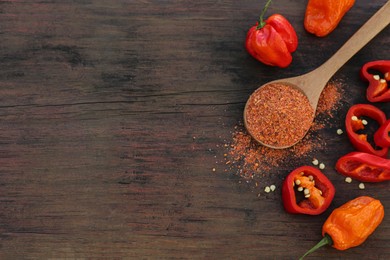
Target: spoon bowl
{"type": "Point", "coordinates": [312, 83]}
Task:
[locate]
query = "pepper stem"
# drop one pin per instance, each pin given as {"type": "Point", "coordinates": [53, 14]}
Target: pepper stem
{"type": "Point", "coordinates": [327, 240]}
{"type": "Point", "coordinates": [261, 20]}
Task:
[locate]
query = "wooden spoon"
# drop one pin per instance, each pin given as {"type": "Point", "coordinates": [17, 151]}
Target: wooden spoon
{"type": "Point", "coordinates": [312, 83]}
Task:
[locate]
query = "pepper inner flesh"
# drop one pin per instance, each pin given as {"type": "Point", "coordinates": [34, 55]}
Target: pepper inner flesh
{"type": "Point", "coordinates": [364, 131]}
{"type": "Point", "coordinates": [312, 193]}
{"type": "Point", "coordinates": [363, 169]}
{"type": "Point", "coordinates": [380, 88]}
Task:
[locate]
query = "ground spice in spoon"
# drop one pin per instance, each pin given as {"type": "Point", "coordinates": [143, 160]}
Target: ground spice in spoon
{"type": "Point", "coordinates": [257, 164]}
{"type": "Point", "coordinates": [278, 115]}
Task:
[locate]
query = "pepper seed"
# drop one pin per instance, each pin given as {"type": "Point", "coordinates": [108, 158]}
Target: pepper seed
{"type": "Point", "coordinates": [315, 162]}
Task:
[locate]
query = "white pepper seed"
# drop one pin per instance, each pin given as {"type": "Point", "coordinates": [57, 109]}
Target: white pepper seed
{"type": "Point", "coordinates": [267, 189]}
{"type": "Point", "coordinates": [322, 166]}
{"type": "Point", "coordinates": [354, 118]}
{"type": "Point", "coordinates": [272, 187]}
{"type": "Point", "coordinates": [361, 186]}
{"type": "Point", "coordinates": [348, 179]}
{"type": "Point", "coordinates": [315, 162]}
{"type": "Point", "coordinates": [340, 131]}
{"type": "Point", "coordinates": [364, 122]}
{"type": "Point", "coordinates": [376, 77]}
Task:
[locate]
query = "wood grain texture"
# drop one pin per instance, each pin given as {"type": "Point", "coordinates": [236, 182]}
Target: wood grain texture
{"type": "Point", "coordinates": [114, 113]}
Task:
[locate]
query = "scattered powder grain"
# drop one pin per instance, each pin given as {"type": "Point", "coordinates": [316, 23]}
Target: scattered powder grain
{"type": "Point", "coordinates": [329, 99]}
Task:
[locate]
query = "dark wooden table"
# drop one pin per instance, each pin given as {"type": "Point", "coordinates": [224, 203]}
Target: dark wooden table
{"type": "Point", "coordinates": [114, 120]}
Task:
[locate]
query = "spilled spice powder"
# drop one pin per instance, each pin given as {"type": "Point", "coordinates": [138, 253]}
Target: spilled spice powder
{"type": "Point", "coordinates": [278, 115]}
{"type": "Point", "coordinates": [248, 159]}
{"type": "Point", "coordinates": [330, 97]}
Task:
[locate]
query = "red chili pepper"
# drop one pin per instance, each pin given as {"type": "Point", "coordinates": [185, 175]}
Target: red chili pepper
{"type": "Point", "coordinates": [313, 186]}
{"type": "Point", "coordinates": [382, 135]}
{"type": "Point", "coordinates": [272, 41]}
{"type": "Point", "coordinates": [378, 89]}
{"type": "Point", "coordinates": [353, 123]}
{"type": "Point", "coordinates": [364, 167]}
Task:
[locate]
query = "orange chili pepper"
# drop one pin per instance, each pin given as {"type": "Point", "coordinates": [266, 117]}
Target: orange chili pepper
{"type": "Point", "coordinates": [351, 224]}
{"type": "Point", "coordinates": [323, 16]}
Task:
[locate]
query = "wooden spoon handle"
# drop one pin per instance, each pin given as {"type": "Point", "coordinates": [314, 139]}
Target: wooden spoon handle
{"type": "Point", "coordinates": [368, 31]}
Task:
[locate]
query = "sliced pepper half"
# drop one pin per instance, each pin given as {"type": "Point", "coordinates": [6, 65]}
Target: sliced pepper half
{"type": "Point", "coordinates": [353, 123]}
{"type": "Point", "coordinates": [378, 89]}
{"type": "Point", "coordinates": [306, 190]}
{"type": "Point", "coordinates": [382, 135]}
{"type": "Point", "coordinates": [364, 167]}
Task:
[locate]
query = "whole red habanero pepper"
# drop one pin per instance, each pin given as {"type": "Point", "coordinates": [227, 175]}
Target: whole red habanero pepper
{"type": "Point", "coordinates": [377, 73]}
{"type": "Point", "coordinates": [364, 167]}
{"type": "Point", "coordinates": [351, 224]}
{"type": "Point", "coordinates": [311, 187]}
{"type": "Point", "coordinates": [354, 123]}
{"type": "Point", "coordinates": [272, 41]}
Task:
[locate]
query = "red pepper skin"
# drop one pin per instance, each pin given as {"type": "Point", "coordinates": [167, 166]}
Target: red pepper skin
{"type": "Point", "coordinates": [364, 167]}
{"type": "Point", "coordinates": [285, 29]}
{"type": "Point", "coordinates": [323, 16]}
{"type": "Point", "coordinates": [382, 135]}
{"type": "Point", "coordinates": [273, 43]}
{"type": "Point", "coordinates": [378, 89]}
{"type": "Point", "coordinates": [358, 140]}
{"type": "Point", "coordinates": [305, 206]}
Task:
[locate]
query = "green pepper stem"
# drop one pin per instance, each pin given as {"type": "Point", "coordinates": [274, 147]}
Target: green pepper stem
{"type": "Point", "coordinates": [261, 19]}
{"type": "Point", "coordinates": [327, 240]}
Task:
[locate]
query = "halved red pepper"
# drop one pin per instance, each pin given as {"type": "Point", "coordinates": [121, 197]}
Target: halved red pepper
{"type": "Point", "coordinates": [353, 123]}
{"type": "Point", "coordinates": [313, 186]}
{"type": "Point", "coordinates": [378, 89]}
{"type": "Point", "coordinates": [382, 135]}
{"type": "Point", "coordinates": [364, 167]}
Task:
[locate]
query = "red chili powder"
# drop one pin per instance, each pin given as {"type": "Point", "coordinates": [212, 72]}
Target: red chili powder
{"type": "Point", "coordinates": [250, 160]}
{"type": "Point", "coordinates": [329, 98]}
{"type": "Point", "coordinates": [278, 115]}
